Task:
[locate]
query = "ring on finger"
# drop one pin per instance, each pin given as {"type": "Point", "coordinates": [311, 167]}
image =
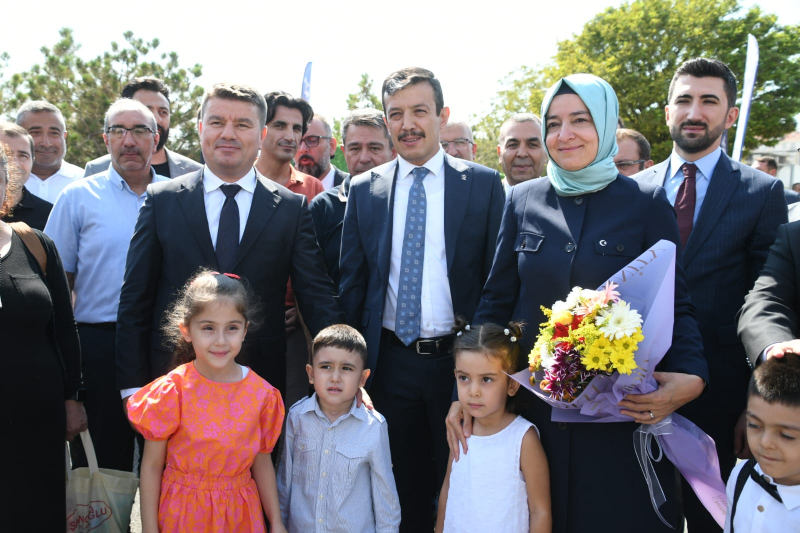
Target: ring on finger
{"type": "Point", "coordinates": [652, 416]}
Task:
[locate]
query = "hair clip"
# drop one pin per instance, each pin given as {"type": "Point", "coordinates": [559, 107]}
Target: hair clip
{"type": "Point", "coordinates": [513, 339]}
{"type": "Point", "coordinates": [233, 276]}
{"type": "Point", "coordinates": [459, 333]}
{"type": "Point", "coordinates": [506, 331]}
{"type": "Point", "coordinates": [466, 327]}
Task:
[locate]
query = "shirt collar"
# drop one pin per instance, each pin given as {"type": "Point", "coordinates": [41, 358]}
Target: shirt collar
{"type": "Point", "coordinates": [119, 181]}
{"type": "Point", "coordinates": [705, 164]}
{"type": "Point", "coordinates": [211, 182]}
{"type": "Point", "coordinates": [331, 174]}
{"type": "Point", "coordinates": [435, 165]}
{"type": "Point", "coordinates": [313, 405]}
{"type": "Point", "coordinates": [790, 494]}
{"type": "Point", "coordinates": [295, 176]}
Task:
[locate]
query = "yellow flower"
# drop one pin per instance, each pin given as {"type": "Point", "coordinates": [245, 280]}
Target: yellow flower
{"type": "Point", "coordinates": [637, 336]}
{"type": "Point", "coordinates": [623, 362]}
{"type": "Point", "coordinates": [595, 359]}
{"type": "Point", "coordinates": [561, 317]}
{"type": "Point", "coordinates": [625, 345]}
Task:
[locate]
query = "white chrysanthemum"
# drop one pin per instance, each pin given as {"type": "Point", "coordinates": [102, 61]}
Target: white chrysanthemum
{"type": "Point", "coordinates": [547, 357]}
{"type": "Point", "coordinates": [620, 321]}
{"type": "Point", "coordinates": [560, 306]}
{"type": "Point", "coordinates": [574, 297]}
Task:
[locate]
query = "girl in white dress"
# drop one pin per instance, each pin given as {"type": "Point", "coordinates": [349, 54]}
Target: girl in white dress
{"type": "Point", "coordinates": [501, 482]}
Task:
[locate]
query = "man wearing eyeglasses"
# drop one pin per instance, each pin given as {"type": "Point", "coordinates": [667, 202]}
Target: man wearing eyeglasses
{"type": "Point", "coordinates": [456, 140]}
{"type": "Point", "coordinates": [288, 119]}
{"type": "Point", "coordinates": [315, 152]}
{"type": "Point", "coordinates": [91, 224]}
{"type": "Point", "coordinates": [634, 152]}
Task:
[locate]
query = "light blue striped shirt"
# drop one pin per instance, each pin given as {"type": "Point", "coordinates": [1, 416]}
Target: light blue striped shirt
{"type": "Point", "coordinates": [92, 223]}
{"type": "Point", "coordinates": [705, 169]}
{"type": "Point", "coordinates": [337, 477]}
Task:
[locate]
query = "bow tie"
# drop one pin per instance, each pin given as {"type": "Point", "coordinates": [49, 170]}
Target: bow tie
{"type": "Point", "coordinates": [771, 489]}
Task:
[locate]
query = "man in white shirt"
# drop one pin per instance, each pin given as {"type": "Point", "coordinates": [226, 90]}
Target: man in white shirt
{"type": "Point", "coordinates": [45, 123]}
{"type": "Point", "coordinates": [91, 224]}
{"type": "Point", "coordinates": [418, 242]}
{"type": "Point", "coordinates": [315, 151]}
{"type": "Point", "coordinates": [521, 149]}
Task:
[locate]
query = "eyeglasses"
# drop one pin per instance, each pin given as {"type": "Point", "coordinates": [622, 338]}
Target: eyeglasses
{"type": "Point", "coordinates": [460, 144]}
{"type": "Point", "coordinates": [622, 165]}
{"type": "Point", "coordinates": [312, 141]}
{"type": "Point", "coordinates": [139, 132]}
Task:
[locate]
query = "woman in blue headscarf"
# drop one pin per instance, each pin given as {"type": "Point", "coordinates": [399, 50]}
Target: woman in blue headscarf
{"type": "Point", "coordinates": [577, 227]}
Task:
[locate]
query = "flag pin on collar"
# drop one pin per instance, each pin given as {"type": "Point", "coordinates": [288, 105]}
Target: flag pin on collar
{"type": "Point", "coordinates": [463, 177]}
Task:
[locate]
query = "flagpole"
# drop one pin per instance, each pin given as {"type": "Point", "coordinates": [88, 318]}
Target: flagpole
{"type": "Point", "coordinates": [750, 71]}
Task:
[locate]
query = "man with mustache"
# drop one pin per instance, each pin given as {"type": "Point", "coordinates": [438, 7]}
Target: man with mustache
{"type": "Point", "coordinates": [521, 149]}
{"type": "Point", "coordinates": [728, 216]}
{"type": "Point", "coordinates": [154, 94]}
{"type": "Point", "coordinates": [288, 119]}
{"type": "Point", "coordinates": [418, 243]}
{"type": "Point", "coordinates": [91, 224]}
{"type": "Point", "coordinates": [315, 152]}
{"type": "Point", "coordinates": [229, 218]}
{"type": "Point", "coordinates": [50, 173]}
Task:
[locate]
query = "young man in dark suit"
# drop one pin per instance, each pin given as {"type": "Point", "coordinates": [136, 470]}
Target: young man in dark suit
{"type": "Point", "coordinates": [418, 241]}
{"type": "Point", "coordinates": [728, 214]}
{"type": "Point", "coordinates": [228, 218]}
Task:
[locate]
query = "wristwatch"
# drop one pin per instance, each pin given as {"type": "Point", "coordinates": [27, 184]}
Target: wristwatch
{"type": "Point", "coordinates": [78, 396]}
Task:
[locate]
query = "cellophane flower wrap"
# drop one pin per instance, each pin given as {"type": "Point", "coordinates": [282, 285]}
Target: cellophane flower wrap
{"type": "Point", "coordinates": [599, 346]}
{"type": "Point", "coordinates": [591, 333]}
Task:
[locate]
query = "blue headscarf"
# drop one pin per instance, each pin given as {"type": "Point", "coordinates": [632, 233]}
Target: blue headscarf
{"type": "Point", "coordinates": [600, 99]}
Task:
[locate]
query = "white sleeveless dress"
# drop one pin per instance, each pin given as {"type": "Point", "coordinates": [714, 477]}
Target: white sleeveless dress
{"type": "Point", "coordinates": [487, 491]}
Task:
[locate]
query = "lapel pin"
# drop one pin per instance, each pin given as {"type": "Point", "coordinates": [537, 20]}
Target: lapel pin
{"type": "Point", "coordinates": [463, 177]}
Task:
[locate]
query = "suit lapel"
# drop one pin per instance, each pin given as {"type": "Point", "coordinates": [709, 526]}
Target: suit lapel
{"type": "Point", "coordinates": [265, 202]}
{"type": "Point", "coordinates": [720, 189]}
{"type": "Point", "coordinates": [382, 195]}
{"type": "Point", "coordinates": [192, 203]}
{"type": "Point", "coordinates": [457, 186]}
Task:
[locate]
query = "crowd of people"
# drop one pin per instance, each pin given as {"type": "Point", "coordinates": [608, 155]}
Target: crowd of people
{"type": "Point", "coordinates": [332, 351]}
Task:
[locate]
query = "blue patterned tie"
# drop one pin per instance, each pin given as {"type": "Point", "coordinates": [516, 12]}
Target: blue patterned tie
{"type": "Point", "coordinates": [409, 289]}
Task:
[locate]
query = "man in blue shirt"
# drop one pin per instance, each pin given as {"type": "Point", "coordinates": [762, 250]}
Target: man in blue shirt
{"type": "Point", "coordinates": [92, 223]}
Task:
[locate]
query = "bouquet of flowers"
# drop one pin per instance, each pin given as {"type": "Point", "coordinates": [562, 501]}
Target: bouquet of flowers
{"type": "Point", "coordinates": [591, 333]}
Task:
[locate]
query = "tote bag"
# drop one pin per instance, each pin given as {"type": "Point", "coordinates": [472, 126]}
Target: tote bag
{"type": "Point", "coordinates": [98, 499]}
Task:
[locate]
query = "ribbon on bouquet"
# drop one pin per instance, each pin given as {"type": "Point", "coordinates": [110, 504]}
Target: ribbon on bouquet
{"type": "Point", "coordinates": [648, 284]}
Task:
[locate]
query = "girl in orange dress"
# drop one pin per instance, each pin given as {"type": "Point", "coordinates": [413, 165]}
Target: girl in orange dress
{"type": "Point", "coordinates": [210, 424]}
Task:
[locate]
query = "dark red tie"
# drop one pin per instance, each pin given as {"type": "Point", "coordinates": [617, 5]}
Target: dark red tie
{"type": "Point", "coordinates": [685, 201]}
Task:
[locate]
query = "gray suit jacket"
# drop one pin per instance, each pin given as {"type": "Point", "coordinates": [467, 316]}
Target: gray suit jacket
{"type": "Point", "coordinates": [178, 165]}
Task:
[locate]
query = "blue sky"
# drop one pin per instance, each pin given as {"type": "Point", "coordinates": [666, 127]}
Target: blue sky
{"type": "Point", "coordinates": [470, 46]}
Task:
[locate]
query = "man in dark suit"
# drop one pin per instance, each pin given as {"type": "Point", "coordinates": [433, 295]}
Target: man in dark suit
{"type": "Point", "coordinates": [228, 218]}
{"type": "Point", "coordinates": [728, 214]}
{"type": "Point", "coordinates": [366, 144]}
{"type": "Point", "coordinates": [420, 237]}
{"type": "Point", "coordinates": [154, 94]}
{"type": "Point", "coordinates": [768, 321]}
{"type": "Point", "coordinates": [315, 152]}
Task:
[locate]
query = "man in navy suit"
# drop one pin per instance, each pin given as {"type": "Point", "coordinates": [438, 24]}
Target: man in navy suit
{"type": "Point", "coordinates": [728, 216]}
{"type": "Point", "coordinates": [419, 238]}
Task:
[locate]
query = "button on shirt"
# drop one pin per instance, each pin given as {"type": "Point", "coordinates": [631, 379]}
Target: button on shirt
{"type": "Point", "coordinates": [336, 477]}
{"type": "Point", "coordinates": [437, 303]}
{"type": "Point", "coordinates": [758, 512]}
{"type": "Point", "coordinates": [92, 223]}
{"type": "Point", "coordinates": [705, 169]}
{"type": "Point", "coordinates": [214, 198]}
{"type": "Point", "coordinates": [50, 188]}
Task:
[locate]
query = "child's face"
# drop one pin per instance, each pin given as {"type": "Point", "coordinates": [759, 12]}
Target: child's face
{"type": "Point", "coordinates": [773, 434]}
{"type": "Point", "coordinates": [216, 334]}
{"type": "Point", "coordinates": [336, 375]}
{"type": "Point", "coordinates": [483, 387]}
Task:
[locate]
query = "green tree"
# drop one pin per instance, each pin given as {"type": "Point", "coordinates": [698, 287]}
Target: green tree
{"type": "Point", "coordinates": [364, 97]}
{"type": "Point", "coordinates": [84, 89]}
{"type": "Point", "coordinates": [637, 47]}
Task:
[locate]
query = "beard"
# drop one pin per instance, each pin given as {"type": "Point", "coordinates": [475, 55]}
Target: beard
{"type": "Point", "coordinates": [312, 168]}
{"type": "Point", "coordinates": [693, 145]}
{"type": "Point", "coordinates": [163, 135]}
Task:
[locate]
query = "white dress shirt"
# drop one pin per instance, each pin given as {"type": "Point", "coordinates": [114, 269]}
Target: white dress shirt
{"type": "Point", "coordinates": [50, 188]}
{"type": "Point", "coordinates": [214, 198]}
{"type": "Point", "coordinates": [327, 181]}
{"type": "Point", "coordinates": [757, 511]}
{"type": "Point", "coordinates": [705, 169]}
{"type": "Point", "coordinates": [437, 304]}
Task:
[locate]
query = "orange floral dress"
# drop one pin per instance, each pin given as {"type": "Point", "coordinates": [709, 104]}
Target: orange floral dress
{"type": "Point", "coordinates": [215, 431]}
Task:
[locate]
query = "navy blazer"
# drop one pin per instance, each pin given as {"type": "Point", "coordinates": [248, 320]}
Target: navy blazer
{"type": "Point", "coordinates": [473, 204]}
{"type": "Point", "coordinates": [726, 250]}
{"type": "Point", "coordinates": [172, 241]}
{"type": "Point", "coordinates": [327, 210]}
